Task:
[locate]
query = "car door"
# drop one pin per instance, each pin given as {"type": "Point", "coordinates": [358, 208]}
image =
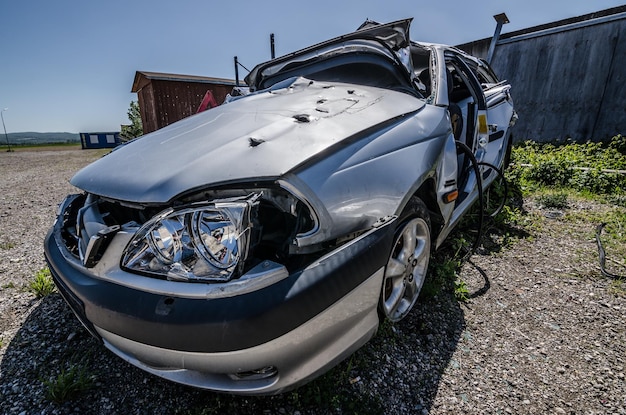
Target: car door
{"type": "Point", "coordinates": [465, 92]}
{"type": "Point", "coordinates": [500, 112]}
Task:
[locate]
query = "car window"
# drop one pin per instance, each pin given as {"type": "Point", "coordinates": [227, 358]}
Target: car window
{"type": "Point", "coordinates": [465, 81]}
{"type": "Point", "coordinates": [485, 75]}
{"type": "Point", "coordinates": [422, 58]}
{"type": "Point", "coordinates": [364, 70]}
{"type": "Point", "coordinates": [361, 68]}
{"type": "Point", "coordinates": [460, 90]}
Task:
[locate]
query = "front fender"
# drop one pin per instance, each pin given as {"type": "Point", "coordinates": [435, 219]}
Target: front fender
{"type": "Point", "coordinates": [376, 174]}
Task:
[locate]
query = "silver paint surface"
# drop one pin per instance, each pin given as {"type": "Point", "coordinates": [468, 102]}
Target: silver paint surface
{"type": "Point", "coordinates": [214, 147]}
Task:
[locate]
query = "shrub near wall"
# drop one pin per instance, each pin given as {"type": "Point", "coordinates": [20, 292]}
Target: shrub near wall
{"type": "Point", "coordinates": [599, 168]}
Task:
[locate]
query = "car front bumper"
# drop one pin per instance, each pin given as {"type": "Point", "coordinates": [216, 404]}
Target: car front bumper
{"type": "Point", "coordinates": [257, 341]}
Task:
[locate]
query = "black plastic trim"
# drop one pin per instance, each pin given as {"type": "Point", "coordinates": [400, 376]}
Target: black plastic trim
{"type": "Point", "coordinates": [496, 136]}
{"type": "Point", "coordinates": [225, 324]}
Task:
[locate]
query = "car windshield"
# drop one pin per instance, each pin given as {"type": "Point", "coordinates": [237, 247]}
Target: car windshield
{"type": "Point", "coordinates": [354, 62]}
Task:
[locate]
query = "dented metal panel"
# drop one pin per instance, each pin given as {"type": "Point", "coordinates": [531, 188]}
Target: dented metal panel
{"type": "Point", "coordinates": [161, 165]}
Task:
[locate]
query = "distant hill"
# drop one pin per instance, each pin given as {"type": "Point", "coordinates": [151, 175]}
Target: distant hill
{"type": "Point", "coordinates": [32, 138]}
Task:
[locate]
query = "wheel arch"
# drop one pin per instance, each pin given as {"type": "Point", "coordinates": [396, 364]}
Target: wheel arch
{"type": "Point", "coordinates": [428, 194]}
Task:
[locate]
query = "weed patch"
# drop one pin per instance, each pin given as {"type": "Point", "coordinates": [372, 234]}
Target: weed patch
{"type": "Point", "coordinates": [556, 200]}
{"type": "Point", "coordinates": [589, 167]}
{"type": "Point", "coordinates": [5, 246]}
{"type": "Point", "coordinates": [68, 384]}
{"type": "Point", "coordinates": [42, 285]}
{"type": "Point", "coordinates": [442, 272]}
{"type": "Point", "coordinates": [461, 292]}
{"type": "Point", "coordinates": [618, 288]}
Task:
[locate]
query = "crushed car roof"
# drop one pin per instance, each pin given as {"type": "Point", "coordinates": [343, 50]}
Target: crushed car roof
{"type": "Point", "coordinates": [394, 35]}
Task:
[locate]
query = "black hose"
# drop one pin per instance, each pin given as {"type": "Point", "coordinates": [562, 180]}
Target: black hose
{"type": "Point", "coordinates": [602, 255]}
{"type": "Point", "coordinates": [506, 188]}
{"type": "Point", "coordinates": [470, 155]}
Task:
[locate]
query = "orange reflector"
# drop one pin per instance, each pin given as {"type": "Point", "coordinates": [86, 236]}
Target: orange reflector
{"type": "Point", "coordinates": [482, 124]}
{"type": "Point", "coordinates": [450, 196]}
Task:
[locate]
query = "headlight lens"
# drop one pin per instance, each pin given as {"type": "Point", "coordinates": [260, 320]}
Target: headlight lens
{"type": "Point", "coordinates": [206, 242]}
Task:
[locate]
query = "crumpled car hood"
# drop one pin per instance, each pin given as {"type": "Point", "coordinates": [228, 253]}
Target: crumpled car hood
{"type": "Point", "coordinates": [263, 135]}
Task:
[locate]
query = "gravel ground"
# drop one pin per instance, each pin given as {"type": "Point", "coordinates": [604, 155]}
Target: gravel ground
{"type": "Point", "coordinates": [542, 332]}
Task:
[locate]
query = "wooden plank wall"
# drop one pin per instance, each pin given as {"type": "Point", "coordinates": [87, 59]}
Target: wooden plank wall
{"type": "Point", "coordinates": [164, 102]}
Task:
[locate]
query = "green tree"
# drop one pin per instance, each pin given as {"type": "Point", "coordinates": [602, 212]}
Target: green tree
{"type": "Point", "coordinates": [135, 128]}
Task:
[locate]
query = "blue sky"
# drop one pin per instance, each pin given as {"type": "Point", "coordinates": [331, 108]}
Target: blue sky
{"type": "Point", "coordinates": [68, 65]}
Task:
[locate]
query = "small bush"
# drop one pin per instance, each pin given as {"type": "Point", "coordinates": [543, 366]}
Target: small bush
{"type": "Point", "coordinates": [553, 200]}
{"type": "Point", "coordinates": [618, 200]}
{"type": "Point", "coordinates": [441, 274]}
{"type": "Point", "coordinates": [618, 143]}
{"type": "Point", "coordinates": [68, 384]}
{"type": "Point", "coordinates": [560, 166]}
{"type": "Point", "coordinates": [42, 285]}
{"type": "Point", "coordinates": [595, 181]}
{"type": "Point", "coordinates": [461, 293]}
{"type": "Point", "coordinates": [550, 172]}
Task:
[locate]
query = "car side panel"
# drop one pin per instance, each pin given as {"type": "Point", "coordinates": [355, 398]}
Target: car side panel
{"type": "Point", "coordinates": [374, 176]}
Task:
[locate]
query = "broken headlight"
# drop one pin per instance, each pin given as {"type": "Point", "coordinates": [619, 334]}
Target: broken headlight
{"type": "Point", "coordinates": [206, 242]}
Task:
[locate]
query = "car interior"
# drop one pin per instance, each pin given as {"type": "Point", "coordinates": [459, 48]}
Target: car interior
{"type": "Point", "coordinates": [356, 68]}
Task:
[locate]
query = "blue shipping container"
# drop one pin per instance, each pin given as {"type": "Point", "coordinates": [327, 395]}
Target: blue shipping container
{"type": "Point", "coordinates": [99, 140]}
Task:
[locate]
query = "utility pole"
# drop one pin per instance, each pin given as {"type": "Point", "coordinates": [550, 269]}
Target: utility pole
{"type": "Point", "coordinates": [5, 130]}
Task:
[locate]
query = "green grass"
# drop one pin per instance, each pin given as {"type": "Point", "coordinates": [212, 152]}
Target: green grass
{"type": "Point", "coordinates": [582, 167]}
{"type": "Point", "coordinates": [68, 384]}
{"type": "Point", "coordinates": [46, 146]}
{"type": "Point", "coordinates": [5, 246]}
{"type": "Point", "coordinates": [554, 184]}
{"type": "Point", "coordinates": [42, 284]}
{"type": "Point", "coordinates": [442, 272]}
{"type": "Point", "coordinates": [553, 200]}
{"type": "Point", "coordinates": [461, 292]}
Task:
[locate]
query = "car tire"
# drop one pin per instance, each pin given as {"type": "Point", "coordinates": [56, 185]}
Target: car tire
{"type": "Point", "coordinates": [407, 265]}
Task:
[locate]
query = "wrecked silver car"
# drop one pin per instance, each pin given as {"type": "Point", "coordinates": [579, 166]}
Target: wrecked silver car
{"type": "Point", "coordinates": [249, 248]}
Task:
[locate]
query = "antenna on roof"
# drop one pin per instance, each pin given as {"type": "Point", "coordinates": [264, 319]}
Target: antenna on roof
{"type": "Point", "coordinates": [237, 65]}
{"type": "Point", "coordinates": [236, 72]}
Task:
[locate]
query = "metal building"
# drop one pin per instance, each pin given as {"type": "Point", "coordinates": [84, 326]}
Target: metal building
{"type": "Point", "coordinates": [99, 140]}
{"type": "Point", "coordinates": [567, 76]}
{"type": "Point", "coordinates": [166, 98]}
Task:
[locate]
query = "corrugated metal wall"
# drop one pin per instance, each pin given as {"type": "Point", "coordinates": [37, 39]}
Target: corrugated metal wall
{"type": "Point", "coordinates": [567, 81]}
